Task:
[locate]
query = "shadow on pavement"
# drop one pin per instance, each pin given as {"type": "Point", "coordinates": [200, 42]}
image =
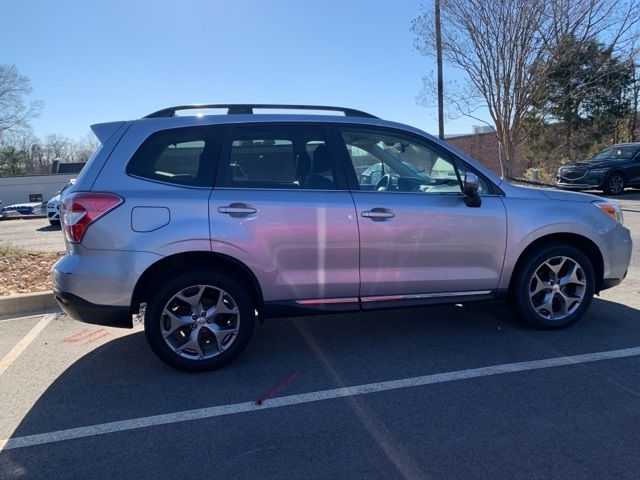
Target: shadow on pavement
{"type": "Point", "coordinates": [49, 228]}
{"type": "Point", "coordinates": [122, 379]}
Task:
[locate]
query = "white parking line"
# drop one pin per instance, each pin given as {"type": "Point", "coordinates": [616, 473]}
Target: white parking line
{"type": "Point", "coordinates": [24, 343]}
{"type": "Point", "coordinates": [6, 319]}
{"type": "Point", "coordinates": [210, 412]}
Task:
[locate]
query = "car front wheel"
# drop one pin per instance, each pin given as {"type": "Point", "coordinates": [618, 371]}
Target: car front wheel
{"type": "Point", "coordinates": [199, 321]}
{"type": "Point", "coordinates": [614, 184]}
{"type": "Point", "coordinates": [553, 287]}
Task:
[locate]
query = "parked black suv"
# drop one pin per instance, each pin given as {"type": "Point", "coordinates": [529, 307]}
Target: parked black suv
{"type": "Point", "coordinates": [611, 170]}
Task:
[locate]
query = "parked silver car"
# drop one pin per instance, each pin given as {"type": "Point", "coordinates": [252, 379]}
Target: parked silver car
{"type": "Point", "coordinates": [213, 221]}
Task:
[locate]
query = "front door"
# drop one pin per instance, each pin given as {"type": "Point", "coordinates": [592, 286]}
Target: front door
{"type": "Point", "coordinates": [281, 206]}
{"type": "Point", "coordinates": [419, 241]}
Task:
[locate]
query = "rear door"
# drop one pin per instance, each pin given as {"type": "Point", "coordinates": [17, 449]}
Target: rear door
{"type": "Point", "coordinates": [282, 207]}
{"type": "Point", "coordinates": [419, 241]}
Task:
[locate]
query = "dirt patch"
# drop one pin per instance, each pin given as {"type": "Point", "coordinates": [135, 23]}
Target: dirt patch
{"type": "Point", "coordinates": [23, 271]}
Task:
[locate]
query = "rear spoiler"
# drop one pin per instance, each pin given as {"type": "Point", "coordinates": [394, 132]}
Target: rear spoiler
{"type": "Point", "coordinates": [104, 130]}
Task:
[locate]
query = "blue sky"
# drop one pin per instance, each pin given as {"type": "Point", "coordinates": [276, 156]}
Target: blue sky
{"type": "Point", "coordinates": [92, 62]}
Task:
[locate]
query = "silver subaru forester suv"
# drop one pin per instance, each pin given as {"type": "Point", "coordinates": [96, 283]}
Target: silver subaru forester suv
{"type": "Point", "coordinates": [212, 221]}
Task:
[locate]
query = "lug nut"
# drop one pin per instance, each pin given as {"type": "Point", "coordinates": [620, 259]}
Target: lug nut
{"type": "Point", "coordinates": [203, 314]}
{"type": "Point", "coordinates": [194, 326]}
{"type": "Point", "coordinates": [194, 317]}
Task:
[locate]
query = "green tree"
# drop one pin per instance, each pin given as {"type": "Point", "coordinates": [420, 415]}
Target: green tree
{"type": "Point", "coordinates": [585, 86]}
{"type": "Point", "coordinates": [12, 162]}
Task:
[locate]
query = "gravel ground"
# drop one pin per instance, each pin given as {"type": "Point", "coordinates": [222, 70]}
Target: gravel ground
{"type": "Point", "coordinates": [28, 250]}
{"type": "Point", "coordinates": [25, 272]}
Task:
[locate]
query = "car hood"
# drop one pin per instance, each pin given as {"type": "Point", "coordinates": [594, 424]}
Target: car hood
{"type": "Point", "coordinates": [523, 191]}
{"type": "Point", "coordinates": [55, 199]}
{"type": "Point", "coordinates": [565, 196]}
{"type": "Point", "coordinates": [587, 163]}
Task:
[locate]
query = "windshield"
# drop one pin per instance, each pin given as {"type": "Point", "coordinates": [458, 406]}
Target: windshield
{"type": "Point", "coordinates": [616, 153]}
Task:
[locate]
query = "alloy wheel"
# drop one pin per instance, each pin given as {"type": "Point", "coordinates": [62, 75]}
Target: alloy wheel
{"type": "Point", "coordinates": [616, 184]}
{"type": "Point", "coordinates": [557, 288]}
{"type": "Point", "coordinates": [200, 322]}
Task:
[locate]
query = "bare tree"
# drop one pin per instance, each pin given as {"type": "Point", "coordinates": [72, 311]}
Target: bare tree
{"type": "Point", "coordinates": [85, 147]}
{"type": "Point", "coordinates": [497, 44]}
{"type": "Point", "coordinates": [15, 110]}
{"type": "Point", "coordinates": [58, 147]}
{"type": "Point", "coordinates": [37, 156]}
{"type": "Point", "coordinates": [634, 100]}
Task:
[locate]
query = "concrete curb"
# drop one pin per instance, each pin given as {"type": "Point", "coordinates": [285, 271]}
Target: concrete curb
{"type": "Point", "coordinates": [27, 303]}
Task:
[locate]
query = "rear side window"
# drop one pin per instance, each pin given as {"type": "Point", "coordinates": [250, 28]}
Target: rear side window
{"type": "Point", "coordinates": [278, 156]}
{"type": "Point", "coordinates": [183, 156]}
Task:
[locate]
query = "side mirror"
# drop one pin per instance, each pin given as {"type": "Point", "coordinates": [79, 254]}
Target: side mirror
{"type": "Point", "coordinates": [470, 187]}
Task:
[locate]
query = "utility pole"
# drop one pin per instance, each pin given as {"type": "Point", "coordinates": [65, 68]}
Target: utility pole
{"type": "Point", "coordinates": [439, 72]}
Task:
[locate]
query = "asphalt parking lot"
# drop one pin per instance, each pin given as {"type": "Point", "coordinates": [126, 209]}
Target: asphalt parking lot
{"type": "Point", "coordinates": [32, 234]}
{"type": "Point", "coordinates": [439, 392]}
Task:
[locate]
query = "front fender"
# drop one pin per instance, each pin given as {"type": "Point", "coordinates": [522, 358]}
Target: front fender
{"type": "Point", "coordinates": [529, 220]}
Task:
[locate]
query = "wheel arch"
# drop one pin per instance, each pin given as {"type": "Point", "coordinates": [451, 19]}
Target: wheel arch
{"type": "Point", "coordinates": [583, 243]}
{"type": "Point", "coordinates": [618, 171]}
{"type": "Point", "coordinates": [152, 277]}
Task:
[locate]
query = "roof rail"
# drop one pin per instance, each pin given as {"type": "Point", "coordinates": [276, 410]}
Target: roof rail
{"type": "Point", "coordinates": [233, 108]}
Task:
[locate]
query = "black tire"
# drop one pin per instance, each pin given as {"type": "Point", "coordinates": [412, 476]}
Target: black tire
{"type": "Point", "coordinates": [156, 305]}
{"type": "Point", "coordinates": [614, 184]}
{"type": "Point", "coordinates": [523, 283]}
{"type": "Point", "coordinates": [54, 223]}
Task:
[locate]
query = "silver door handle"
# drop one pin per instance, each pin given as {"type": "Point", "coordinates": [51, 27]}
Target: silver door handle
{"type": "Point", "coordinates": [378, 214]}
{"type": "Point", "coordinates": [237, 209]}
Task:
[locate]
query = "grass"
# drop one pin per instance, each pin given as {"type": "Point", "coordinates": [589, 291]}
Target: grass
{"type": "Point", "coordinates": [7, 249]}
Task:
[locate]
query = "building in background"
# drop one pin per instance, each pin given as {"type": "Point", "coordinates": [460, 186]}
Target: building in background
{"type": "Point", "coordinates": [32, 188]}
{"type": "Point", "coordinates": [66, 167]}
{"type": "Point", "coordinates": [482, 145]}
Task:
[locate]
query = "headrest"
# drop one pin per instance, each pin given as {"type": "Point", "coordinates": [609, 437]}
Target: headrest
{"type": "Point", "coordinates": [303, 165]}
{"type": "Point", "coordinates": [321, 159]}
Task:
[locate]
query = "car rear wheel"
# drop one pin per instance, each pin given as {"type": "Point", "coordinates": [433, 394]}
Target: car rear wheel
{"type": "Point", "coordinates": [553, 287]}
{"type": "Point", "coordinates": [199, 321]}
{"type": "Point", "coordinates": [614, 184]}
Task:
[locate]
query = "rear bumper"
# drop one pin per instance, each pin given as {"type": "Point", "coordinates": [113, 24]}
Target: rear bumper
{"type": "Point", "coordinates": [87, 312]}
{"type": "Point", "coordinates": [101, 277]}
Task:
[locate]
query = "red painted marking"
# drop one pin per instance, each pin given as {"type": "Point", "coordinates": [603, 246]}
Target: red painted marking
{"type": "Point", "coordinates": [104, 334]}
{"type": "Point", "coordinates": [72, 338]}
{"type": "Point", "coordinates": [278, 386]}
{"type": "Point", "coordinates": [83, 335]}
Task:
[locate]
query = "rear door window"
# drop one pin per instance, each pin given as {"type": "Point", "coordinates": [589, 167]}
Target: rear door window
{"type": "Point", "coordinates": [278, 156]}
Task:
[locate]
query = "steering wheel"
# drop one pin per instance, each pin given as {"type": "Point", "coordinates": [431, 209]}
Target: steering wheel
{"type": "Point", "coordinates": [383, 183]}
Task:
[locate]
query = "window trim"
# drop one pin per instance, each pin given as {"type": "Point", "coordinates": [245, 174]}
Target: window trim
{"type": "Point", "coordinates": [221, 180]}
{"type": "Point", "coordinates": [455, 160]}
{"type": "Point", "coordinates": [213, 133]}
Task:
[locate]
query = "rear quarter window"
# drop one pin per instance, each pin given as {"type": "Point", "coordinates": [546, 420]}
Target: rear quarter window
{"type": "Point", "coordinates": [182, 156]}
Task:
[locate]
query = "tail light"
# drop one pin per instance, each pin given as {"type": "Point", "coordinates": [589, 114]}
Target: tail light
{"type": "Point", "coordinates": [80, 209]}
